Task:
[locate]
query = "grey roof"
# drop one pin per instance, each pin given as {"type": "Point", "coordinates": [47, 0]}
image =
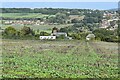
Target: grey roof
{"type": "Point", "coordinates": [59, 33]}
{"type": "Point", "coordinates": [90, 36]}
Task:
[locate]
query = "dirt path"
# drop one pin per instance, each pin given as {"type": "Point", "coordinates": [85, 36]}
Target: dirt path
{"type": "Point", "coordinates": [104, 47]}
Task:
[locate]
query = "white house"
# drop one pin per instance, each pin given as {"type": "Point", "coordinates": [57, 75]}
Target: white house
{"type": "Point", "coordinates": [90, 36]}
{"type": "Point", "coordinates": [47, 37]}
{"type": "Point", "coordinates": [70, 38]}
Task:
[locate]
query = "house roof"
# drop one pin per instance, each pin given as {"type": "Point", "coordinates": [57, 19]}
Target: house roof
{"type": "Point", "coordinates": [59, 33]}
{"type": "Point", "coordinates": [90, 35]}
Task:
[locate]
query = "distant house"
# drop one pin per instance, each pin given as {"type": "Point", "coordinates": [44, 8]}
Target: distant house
{"type": "Point", "coordinates": [55, 32]}
{"type": "Point", "coordinates": [90, 36]}
{"type": "Point", "coordinates": [70, 38]}
{"type": "Point", "coordinates": [47, 37]}
{"type": "Point", "coordinates": [59, 34]}
{"type": "Point", "coordinates": [42, 22]}
{"type": "Point", "coordinates": [105, 23]}
{"type": "Point", "coordinates": [8, 22]}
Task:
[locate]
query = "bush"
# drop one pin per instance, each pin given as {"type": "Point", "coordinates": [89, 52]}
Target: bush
{"type": "Point", "coordinates": [61, 37]}
{"type": "Point", "coordinates": [44, 33]}
{"type": "Point", "coordinates": [105, 35]}
{"type": "Point", "coordinates": [76, 36]}
{"type": "Point", "coordinates": [12, 33]}
{"type": "Point", "coordinates": [9, 32]}
{"type": "Point", "coordinates": [26, 31]}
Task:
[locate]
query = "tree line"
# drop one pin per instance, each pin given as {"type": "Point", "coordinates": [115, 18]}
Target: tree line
{"type": "Point", "coordinates": [28, 33]}
{"type": "Point", "coordinates": [51, 11]}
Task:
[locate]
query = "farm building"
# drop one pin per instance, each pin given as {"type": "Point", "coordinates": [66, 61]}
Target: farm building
{"type": "Point", "coordinates": [90, 36]}
{"type": "Point", "coordinates": [55, 34]}
{"type": "Point", "coordinates": [47, 37]}
{"type": "Point", "coordinates": [59, 34]}
{"type": "Point", "coordinates": [70, 38]}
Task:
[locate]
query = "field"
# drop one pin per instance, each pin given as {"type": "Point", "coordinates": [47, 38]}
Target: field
{"type": "Point", "coordinates": [61, 59]}
{"type": "Point", "coordinates": [24, 15]}
{"type": "Point", "coordinates": [46, 27]}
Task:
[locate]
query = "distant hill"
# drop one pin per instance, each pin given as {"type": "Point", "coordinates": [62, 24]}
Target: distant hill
{"type": "Point", "coordinates": [115, 9]}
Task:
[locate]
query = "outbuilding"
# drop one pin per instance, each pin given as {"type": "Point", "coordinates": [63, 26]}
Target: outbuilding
{"type": "Point", "coordinates": [47, 37]}
{"type": "Point", "coordinates": [90, 37]}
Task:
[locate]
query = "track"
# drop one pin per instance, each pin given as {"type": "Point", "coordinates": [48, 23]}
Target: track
{"type": "Point", "coordinates": [104, 47]}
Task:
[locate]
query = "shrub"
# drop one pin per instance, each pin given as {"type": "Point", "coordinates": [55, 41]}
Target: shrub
{"type": "Point", "coordinates": [9, 32]}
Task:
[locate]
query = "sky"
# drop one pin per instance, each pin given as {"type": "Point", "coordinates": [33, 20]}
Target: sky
{"type": "Point", "coordinates": [72, 5]}
{"type": "Point", "coordinates": [59, 0]}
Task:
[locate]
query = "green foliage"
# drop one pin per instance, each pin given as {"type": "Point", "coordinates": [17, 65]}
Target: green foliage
{"type": "Point", "coordinates": [52, 11]}
{"type": "Point", "coordinates": [52, 15]}
{"type": "Point", "coordinates": [9, 32]}
{"type": "Point", "coordinates": [105, 35]}
{"type": "Point", "coordinates": [26, 31]}
{"type": "Point", "coordinates": [76, 36]}
{"type": "Point", "coordinates": [78, 25]}
{"type": "Point", "coordinates": [63, 30]}
{"type": "Point", "coordinates": [93, 17]}
{"type": "Point", "coordinates": [75, 21]}
{"type": "Point", "coordinates": [44, 33]}
{"type": "Point", "coordinates": [118, 30]}
{"type": "Point", "coordinates": [24, 16]}
{"type": "Point", "coordinates": [61, 37]}
{"type": "Point", "coordinates": [79, 36]}
{"type": "Point", "coordinates": [90, 20]}
{"type": "Point", "coordinates": [59, 18]}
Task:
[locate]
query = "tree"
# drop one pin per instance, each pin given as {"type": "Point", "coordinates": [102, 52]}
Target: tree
{"type": "Point", "coordinates": [61, 18]}
{"type": "Point", "coordinates": [75, 21]}
{"type": "Point", "coordinates": [55, 30]}
{"type": "Point", "coordinates": [63, 30]}
{"type": "Point", "coordinates": [10, 32]}
{"type": "Point", "coordinates": [78, 25]}
{"type": "Point", "coordinates": [52, 20]}
{"type": "Point", "coordinates": [103, 34]}
{"type": "Point", "coordinates": [112, 23]}
{"type": "Point", "coordinates": [75, 12]}
{"type": "Point", "coordinates": [44, 33]}
{"type": "Point", "coordinates": [76, 36]}
{"type": "Point", "coordinates": [26, 31]}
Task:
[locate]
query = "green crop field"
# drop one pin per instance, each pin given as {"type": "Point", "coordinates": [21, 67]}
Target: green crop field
{"type": "Point", "coordinates": [59, 59]}
{"type": "Point", "coordinates": [24, 15]}
{"type": "Point", "coordinates": [46, 27]}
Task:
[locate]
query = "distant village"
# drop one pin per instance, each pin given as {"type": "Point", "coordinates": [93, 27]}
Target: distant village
{"type": "Point", "coordinates": [110, 21]}
{"type": "Point", "coordinates": [23, 22]}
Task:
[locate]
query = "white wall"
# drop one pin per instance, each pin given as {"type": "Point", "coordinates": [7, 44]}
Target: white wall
{"type": "Point", "coordinates": [47, 37]}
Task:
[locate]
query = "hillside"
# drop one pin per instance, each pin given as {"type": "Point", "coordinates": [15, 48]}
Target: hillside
{"type": "Point", "coordinates": [115, 9]}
